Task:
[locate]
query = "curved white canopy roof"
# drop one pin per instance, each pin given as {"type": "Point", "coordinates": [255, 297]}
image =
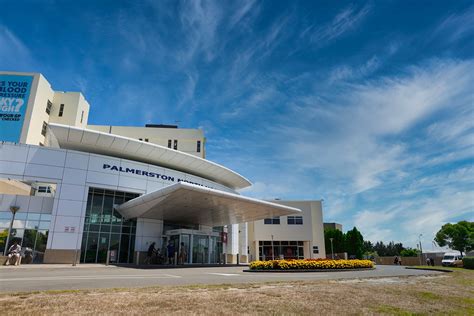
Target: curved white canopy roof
{"type": "Point", "coordinates": [82, 139]}
{"type": "Point", "coordinates": [191, 204]}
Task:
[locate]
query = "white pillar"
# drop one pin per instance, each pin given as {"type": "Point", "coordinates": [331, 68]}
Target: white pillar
{"type": "Point", "coordinates": [243, 242]}
{"type": "Point", "coordinates": [233, 241]}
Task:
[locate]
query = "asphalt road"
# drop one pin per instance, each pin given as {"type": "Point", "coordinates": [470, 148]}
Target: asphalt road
{"type": "Point", "coordinates": [63, 277]}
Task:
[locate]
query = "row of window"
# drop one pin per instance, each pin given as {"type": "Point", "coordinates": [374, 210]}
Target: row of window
{"type": "Point", "coordinates": [291, 220]}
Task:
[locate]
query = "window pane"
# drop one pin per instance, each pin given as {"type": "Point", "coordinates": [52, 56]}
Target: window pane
{"type": "Point", "coordinates": [29, 238]}
{"type": "Point", "coordinates": [6, 215]}
{"type": "Point", "coordinates": [19, 223]}
{"type": "Point", "coordinates": [32, 224]}
{"type": "Point", "coordinates": [43, 225]}
{"type": "Point", "coordinates": [45, 217]}
{"type": "Point", "coordinates": [91, 249]}
{"type": "Point", "coordinates": [97, 204]}
{"type": "Point", "coordinates": [34, 216]}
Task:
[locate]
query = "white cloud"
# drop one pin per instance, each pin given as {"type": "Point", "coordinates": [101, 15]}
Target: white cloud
{"type": "Point", "coordinates": [347, 134]}
{"type": "Point", "coordinates": [13, 51]}
{"type": "Point", "coordinates": [343, 22]}
{"type": "Point", "coordinates": [456, 26]}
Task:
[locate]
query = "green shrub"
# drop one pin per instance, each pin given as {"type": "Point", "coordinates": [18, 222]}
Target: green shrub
{"type": "Point", "coordinates": [468, 262]}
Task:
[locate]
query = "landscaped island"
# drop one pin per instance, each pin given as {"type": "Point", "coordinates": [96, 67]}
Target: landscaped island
{"type": "Point", "coordinates": [311, 264]}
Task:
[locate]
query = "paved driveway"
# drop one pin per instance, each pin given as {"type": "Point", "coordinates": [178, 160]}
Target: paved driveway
{"type": "Point", "coordinates": [63, 277]}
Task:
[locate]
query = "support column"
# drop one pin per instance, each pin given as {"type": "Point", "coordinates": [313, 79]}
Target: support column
{"type": "Point", "coordinates": [232, 243]}
{"type": "Point", "coordinates": [243, 243]}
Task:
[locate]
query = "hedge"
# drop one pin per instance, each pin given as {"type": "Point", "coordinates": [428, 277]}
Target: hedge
{"type": "Point", "coordinates": [310, 264]}
{"type": "Point", "coordinates": [468, 262]}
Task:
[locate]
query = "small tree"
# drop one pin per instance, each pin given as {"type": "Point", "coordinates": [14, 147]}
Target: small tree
{"type": "Point", "coordinates": [355, 243]}
{"type": "Point", "coordinates": [458, 236]}
{"type": "Point", "coordinates": [337, 242]}
{"type": "Point", "coordinates": [409, 252]}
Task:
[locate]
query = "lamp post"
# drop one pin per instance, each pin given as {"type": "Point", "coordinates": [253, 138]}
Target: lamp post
{"type": "Point", "coordinates": [273, 250]}
{"type": "Point", "coordinates": [13, 209]}
{"type": "Point", "coordinates": [421, 249]}
{"type": "Point", "coordinates": [332, 250]}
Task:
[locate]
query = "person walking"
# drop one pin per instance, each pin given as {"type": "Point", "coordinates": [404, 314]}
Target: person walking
{"type": "Point", "coordinates": [150, 252]}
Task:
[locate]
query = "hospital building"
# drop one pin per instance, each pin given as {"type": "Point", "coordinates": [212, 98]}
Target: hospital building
{"type": "Point", "coordinates": [71, 192]}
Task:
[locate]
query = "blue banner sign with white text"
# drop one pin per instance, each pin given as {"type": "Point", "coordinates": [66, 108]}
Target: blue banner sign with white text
{"type": "Point", "coordinates": [14, 95]}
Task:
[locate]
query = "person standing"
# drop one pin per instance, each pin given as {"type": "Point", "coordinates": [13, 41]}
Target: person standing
{"type": "Point", "coordinates": [171, 250]}
{"type": "Point", "coordinates": [183, 254]}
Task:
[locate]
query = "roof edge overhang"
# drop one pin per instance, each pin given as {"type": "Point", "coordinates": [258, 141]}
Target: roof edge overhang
{"type": "Point", "coordinates": [144, 205]}
{"type": "Point", "coordinates": [176, 160]}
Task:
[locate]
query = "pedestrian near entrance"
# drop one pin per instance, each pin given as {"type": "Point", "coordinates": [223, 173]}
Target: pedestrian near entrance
{"type": "Point", "coordinates": [171, 250]}
{"type": "Point", "coordinates": [183, 254]}
{"type": "Point", "coordinates": [395, 260]}
{"type": "Point", "coordinates": [150, 252]}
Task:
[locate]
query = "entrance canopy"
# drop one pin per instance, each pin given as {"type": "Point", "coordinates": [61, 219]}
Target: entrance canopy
{"type": "Point", "coordinates": [192, 204]}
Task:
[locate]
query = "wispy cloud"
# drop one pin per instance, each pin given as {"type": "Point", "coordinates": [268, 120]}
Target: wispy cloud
{"type": "Point", "coordinates": [13, 51]}
{"type": "Point", "coordinates": [345, 21]}
{"type": "Point", "coordinates": [456, 26]}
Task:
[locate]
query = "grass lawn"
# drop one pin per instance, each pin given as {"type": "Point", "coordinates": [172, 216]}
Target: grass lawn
{"type": "Point", "coordinates": [449, 293]}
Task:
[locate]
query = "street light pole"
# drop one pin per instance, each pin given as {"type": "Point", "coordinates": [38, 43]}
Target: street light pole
{"type": "Point", "coordinates": [421, 249]}
{"type": "Point", "coordinates": [332, 250]}
{"type": "Point", "coordinates": [273, 250]}
{"type": "Point", "coordinates": [13, 209]}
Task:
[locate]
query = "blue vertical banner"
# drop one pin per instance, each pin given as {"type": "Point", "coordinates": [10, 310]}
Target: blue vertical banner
{"type": "Point", "coordinates": [14, 95]}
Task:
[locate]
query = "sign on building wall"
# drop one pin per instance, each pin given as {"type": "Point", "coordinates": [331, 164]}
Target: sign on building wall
{"type": "Point", "coordinates": [14, 94]}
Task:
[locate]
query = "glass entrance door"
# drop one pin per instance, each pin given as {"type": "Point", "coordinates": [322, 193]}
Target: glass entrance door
{"type": "Point", "coordinates": [200, 249]}
{"type": "Point", "coordinates": [184, 248]}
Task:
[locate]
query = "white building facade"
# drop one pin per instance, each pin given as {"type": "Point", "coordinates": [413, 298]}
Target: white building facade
{"type": "Point", "coordinates": [73, 192]}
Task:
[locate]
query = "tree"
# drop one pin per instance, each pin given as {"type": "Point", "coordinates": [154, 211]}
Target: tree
{"type": "Point", "coordinates": [354, 243]}
{"type": "Point", "coordinates": [337, 242]}
{"type": "Point", "coordinates": [458, 236]}
{"type": "Point", "coordinates": [409, 252]}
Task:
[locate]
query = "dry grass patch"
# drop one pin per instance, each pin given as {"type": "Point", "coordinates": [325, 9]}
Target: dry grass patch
{"type": "Point", "coordinates": [443, 294]}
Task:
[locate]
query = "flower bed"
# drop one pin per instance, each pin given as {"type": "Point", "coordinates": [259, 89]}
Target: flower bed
{"type": "Point", "coordinates": [311, 264]}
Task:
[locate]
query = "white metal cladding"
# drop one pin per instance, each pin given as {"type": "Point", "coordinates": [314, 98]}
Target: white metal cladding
{"type": "Point", "coordinates": [188, 203]}
{"type": "Point", "coordinates": [87, 140]}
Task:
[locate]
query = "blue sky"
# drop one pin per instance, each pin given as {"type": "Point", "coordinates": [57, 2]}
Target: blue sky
{"type": "Point", "coordinates": [368, 106]}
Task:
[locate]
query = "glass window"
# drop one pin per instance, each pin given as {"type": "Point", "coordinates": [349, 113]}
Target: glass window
{"type": "Point", "coordinates": [29, 238]}
{"type": "Point", "coordinates": [97, 204]}
{"type": "Point", "coordinates": [32, 224]}
{"type": "Point", "coordinates": [61, 110]}
{"type": "Point", "coordinates": [107, 222]}
{"type": "Point", "coordinates": [21, 215]}
{"type": "Point", "coordinates": [34, 216]}
{"type": "Point", "coordinates": [19, 223]}
{"type": "Point", "coordinates": [5, 215]}
{"type": "Point", "coordinates": [43, 129]}
{"type": "Point", "coordinates": [82, 116]}
{"type": "Point", "coordinates": [91, 248]}
{"type": "Point", "coordinates": [272, 221]}
{"type": "Point", "coordinates": [198, 149]}
{"type": "Point", "coordinates": [169, 143]}
{"type": "Point", "coordinates": [295, 220]}
{"type": "Point", "coordinates": [44, 224]}
{"type": "Point", "coordinates": [175, 144]}
{"type": "Point", "coordinates": [45, 217]}
{"type": "Point", "coordinates": [49, 105]}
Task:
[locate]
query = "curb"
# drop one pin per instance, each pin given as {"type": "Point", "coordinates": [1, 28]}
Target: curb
{"type": "Point", "coordinates": [427, 269]}
{"type": "Point", "coordinates": [312, 270]}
